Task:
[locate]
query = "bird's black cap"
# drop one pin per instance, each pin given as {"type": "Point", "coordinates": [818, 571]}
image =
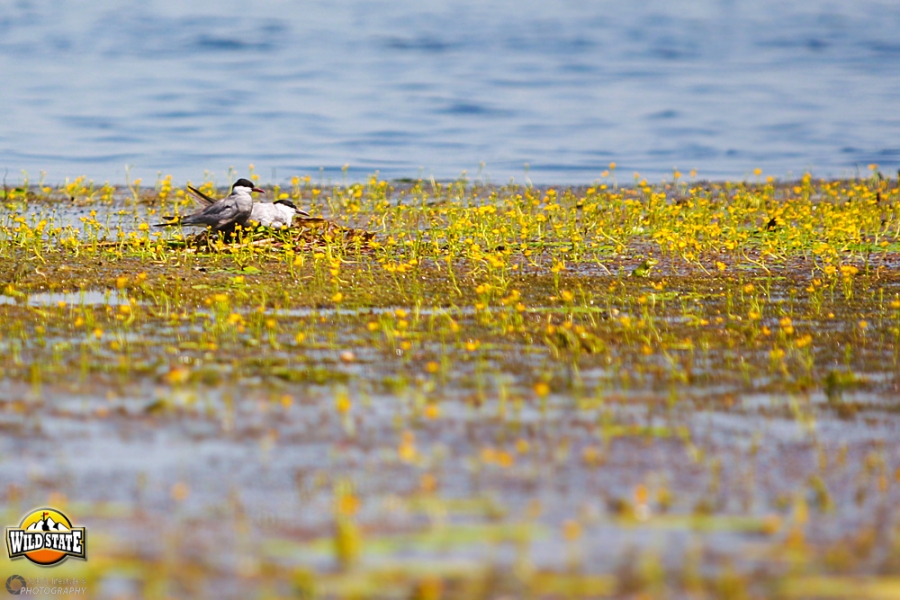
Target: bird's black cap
{"type": "Point", "coordinates": [243, 183]}
{"type": "Point", "coordinates": [286, 203]}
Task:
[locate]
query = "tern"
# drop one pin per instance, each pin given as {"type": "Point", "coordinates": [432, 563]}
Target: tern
{"type": "Point", "coordinates": [278, 214]}
{"type": "Point", "coordinates": [233, 209]}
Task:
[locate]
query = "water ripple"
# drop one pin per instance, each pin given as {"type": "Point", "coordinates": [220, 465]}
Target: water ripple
{"type": "Point", "coordinates": [187, 88]}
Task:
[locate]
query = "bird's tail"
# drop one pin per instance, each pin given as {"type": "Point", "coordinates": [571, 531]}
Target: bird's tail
{"type": "Point", "coordinates": [170, 222]}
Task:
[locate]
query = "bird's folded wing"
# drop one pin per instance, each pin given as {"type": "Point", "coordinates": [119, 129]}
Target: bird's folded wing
{"type": "Point", "coordinates": [225, 211]}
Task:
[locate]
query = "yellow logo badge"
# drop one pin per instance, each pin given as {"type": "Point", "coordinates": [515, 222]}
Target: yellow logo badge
{"type": "Point", "coordinates": [46, 537]}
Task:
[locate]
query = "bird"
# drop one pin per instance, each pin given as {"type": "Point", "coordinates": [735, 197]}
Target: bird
{"type": "Point", "coordinates": [218, 215]}
{"type": "Point", "coordinates": [278, 214]}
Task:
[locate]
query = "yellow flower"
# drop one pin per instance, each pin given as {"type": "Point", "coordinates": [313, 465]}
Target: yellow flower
{"type": "Point", "coordinates": [347, 505]}
{"type": "Point", "coordinates": [571, 530]}
{"type": "Point", "coordinates": [407, 448]}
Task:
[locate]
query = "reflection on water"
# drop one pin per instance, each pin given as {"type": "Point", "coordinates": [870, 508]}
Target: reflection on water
{"type": "Point", "coordinates": [434, 88]}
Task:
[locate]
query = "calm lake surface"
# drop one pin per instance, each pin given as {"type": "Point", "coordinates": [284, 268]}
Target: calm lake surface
{"type": "Point", "coordinates": [435, 88]}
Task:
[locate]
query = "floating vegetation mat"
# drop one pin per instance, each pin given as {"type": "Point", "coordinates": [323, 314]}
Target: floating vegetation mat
{"type": "Point", "coordinates": [457, 390]}
{"type": "Point", "coordinates": [306, 234]}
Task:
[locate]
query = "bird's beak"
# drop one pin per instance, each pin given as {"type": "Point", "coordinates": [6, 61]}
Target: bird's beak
{"type": "Point", "coordinates": [260, 190]}
{"type": "Point", "coordinates": [302, 212]}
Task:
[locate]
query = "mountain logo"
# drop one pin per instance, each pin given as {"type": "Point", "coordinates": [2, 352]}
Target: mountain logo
{"type": "Point", "coordinates": [46, 537]}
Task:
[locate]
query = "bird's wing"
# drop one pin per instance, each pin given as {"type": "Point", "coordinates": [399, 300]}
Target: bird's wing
{"type": "Point", "coordinates": [200, 196]}
{"type": "Point", "coordinates": [223, 212]}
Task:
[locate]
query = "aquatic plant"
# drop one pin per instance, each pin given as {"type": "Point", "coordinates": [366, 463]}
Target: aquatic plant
{"type": "Point", "coordinates": [496, 374]}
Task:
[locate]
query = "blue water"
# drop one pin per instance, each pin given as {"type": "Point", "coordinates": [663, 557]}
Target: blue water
{"type": "Point", "coordinates": [433, 88]}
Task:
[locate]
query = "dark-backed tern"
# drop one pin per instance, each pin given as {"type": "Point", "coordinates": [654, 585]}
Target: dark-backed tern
{"type": "Point", "coordinates": [278, 214]}
{"type": "Point", "coordinates": [233, 209]}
